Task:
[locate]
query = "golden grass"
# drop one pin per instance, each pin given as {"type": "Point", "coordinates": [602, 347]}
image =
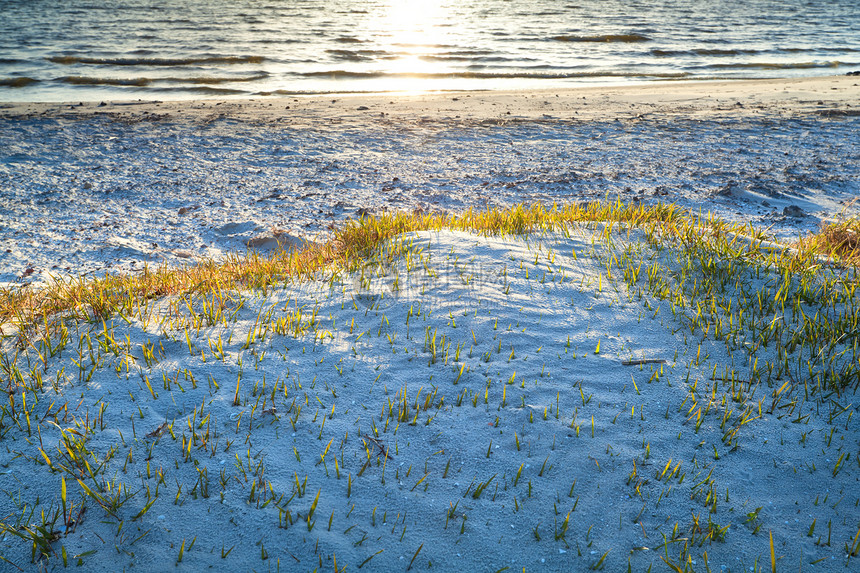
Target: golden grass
{"type": "Point", "coordinates": [101, 297]}
{"type": "Point", "coordinates": [29, 308]}
{"type": "Point", "coordinates": [839, 240]}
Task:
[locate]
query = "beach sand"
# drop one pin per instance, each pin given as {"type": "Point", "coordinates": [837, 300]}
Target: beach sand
{"type": "Point", "coordinates": [98, 188]}
{"type": "Point", "coordinates": [475, 404]}
{"type": "Point", "coordinates": [480, 403]}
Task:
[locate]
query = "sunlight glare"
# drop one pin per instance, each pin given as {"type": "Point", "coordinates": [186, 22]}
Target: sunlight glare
{"type": "Point", "coordinates": [413, 28]}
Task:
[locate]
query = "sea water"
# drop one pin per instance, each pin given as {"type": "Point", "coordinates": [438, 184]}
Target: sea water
{"type": "Point", "coordinates": [176, 49]}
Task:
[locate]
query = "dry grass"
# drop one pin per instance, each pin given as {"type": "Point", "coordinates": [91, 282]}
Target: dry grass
{"type": "Point", "coordinates": [98, 298]}
{"type": "Point", "coordinates": [101, 297]}
{"type": "Point", "coordinates": [839, 240]}
{"type": "Point", "coordinates": [33, 311]}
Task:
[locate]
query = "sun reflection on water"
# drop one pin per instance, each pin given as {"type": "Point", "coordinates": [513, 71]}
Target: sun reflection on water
{"type": "Point", "coordinates": [418, 29]}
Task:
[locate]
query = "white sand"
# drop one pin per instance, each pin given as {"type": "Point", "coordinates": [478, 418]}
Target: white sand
{"type": "Point", "coordinates": [527, 319]}
{"type": "Point", "coordinates": [108, 188]}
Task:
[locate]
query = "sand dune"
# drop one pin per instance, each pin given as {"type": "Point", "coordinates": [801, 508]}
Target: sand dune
{"type": "Point", "coordinates": [563, 400]}
{"type": "Point", "coordinates": [475, 403]}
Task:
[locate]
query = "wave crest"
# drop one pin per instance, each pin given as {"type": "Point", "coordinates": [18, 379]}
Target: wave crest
{"type": "Point", "coordinates": [17, 82]}
{"type": "Point", "coordinates": [71, 60]}
{"type": "Point", "coordinates": [621, 38]}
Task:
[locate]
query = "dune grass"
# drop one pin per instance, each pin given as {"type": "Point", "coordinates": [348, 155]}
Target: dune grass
{"type": "Point", "coordinates": [789, 311]}
{"type": "Point", "coordinates": [31, 307]}
{"type": "Point", "coordinates": [708, 278]}
{"type": "Point", "coordinates": [838, 240]}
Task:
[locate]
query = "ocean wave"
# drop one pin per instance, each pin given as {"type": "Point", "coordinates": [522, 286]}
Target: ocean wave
{"type": "Point", "coordinates": [743, 51]}
{"type": "Point", "coordinates": [359, 55]}
{"type": "Point", "coordinates": [412, 45]}
{"type": "Point", "coordinates": [145, 81]}
{"type": "Point", "coordinates": [840, 49]}
{"type": "Point", "coordinates": [622, 38]}
{"type": "Point", "coordinates": [87, 81]}
{"type": "Point", "coordinates": [781, 65]}
{"type": "Point", "coordinates": [705, 52]}
{"type": "Point", "coordinates": [456, 58]}
{"type": "Point", "coordinates": [348, 74]}
{"type": "Point", "coordinates": [204, 90]}
{"type": "Point", "coordinates": [17, 82]}
{"type": "Point", "coordinates": [70, 60]}
{"type": "Point", "coordinates": [472, 52]}
{"type": "Point", "coordinates": [539, 14]}
{"type": "Point", "coordinates": [216, 80]}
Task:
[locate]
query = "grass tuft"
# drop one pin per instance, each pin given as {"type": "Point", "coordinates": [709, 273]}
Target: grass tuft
{"type": "Point", "coordinates": [34, 308]}
{"type": "Point", "coordinates": [839, 240]}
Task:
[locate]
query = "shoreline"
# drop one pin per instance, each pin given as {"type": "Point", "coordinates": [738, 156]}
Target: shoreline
{"type": "Point", "coordinates": [822, 95]}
